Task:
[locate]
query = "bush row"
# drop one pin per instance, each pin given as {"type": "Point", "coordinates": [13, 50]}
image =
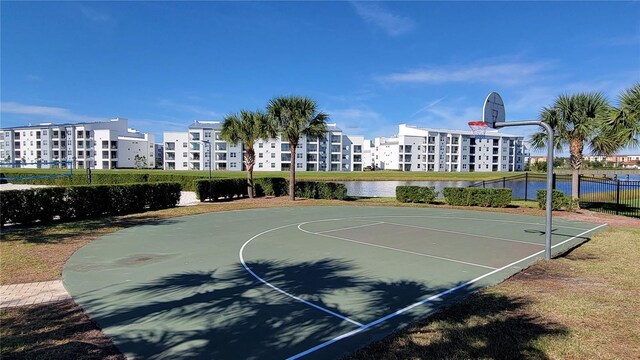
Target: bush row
{"type": "Point", "coordinates": [105, 178]}
{"type": "Point", "coordinates": [234, 188]}
{"type": "Point", "coordinates": [415, 194]}
{"type": "Point", "coordinates": [477, 197]}
{"type": "Point", "coordinates": [559, 201]}
{"type": "Point", "coordinates": [78, 202]}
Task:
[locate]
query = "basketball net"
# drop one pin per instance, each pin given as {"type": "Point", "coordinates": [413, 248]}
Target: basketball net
{"type": "Point", "coordinates": [479, 128]}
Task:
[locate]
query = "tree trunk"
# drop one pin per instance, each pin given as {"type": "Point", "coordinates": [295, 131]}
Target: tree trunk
{"type": "Point", "coordinates": [292, 172]}
{"type": "Point", "coordinates": [249, 161]}
{"type": "Point", "coordinates": [250, 181]}
{"type": "Point", "coordinates": [576, 146]}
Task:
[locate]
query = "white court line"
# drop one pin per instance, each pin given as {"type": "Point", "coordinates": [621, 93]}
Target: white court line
{"type": "Point", "coordinates": [464, 218]}
{"type": "Point", "coordinates": [429, 299]}
{"type": "Point", "coordinates": [282, 291]}
{"type": "Point", "coordinates": [391, 248]}
{"type": "Point", "coordinates": [351, 227]}
{"type": "Point", "coordinates": [461, 233]}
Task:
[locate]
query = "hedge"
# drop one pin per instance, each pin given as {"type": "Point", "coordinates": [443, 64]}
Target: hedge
{"type": "Point", "coordinates": [236, 188]}
{"type": "Point", "coordinates": [559, 200]}
{"type": "Point", "coordinates": [477, 197]}
{"type": "Point", "coordinates": [415, 194]}
{"type": "Point", "coordinates": [105, 178]}
{"type": "Point", "coordinates": [321, 190]}
{"type": "Point", "coordinates": [79, 202]}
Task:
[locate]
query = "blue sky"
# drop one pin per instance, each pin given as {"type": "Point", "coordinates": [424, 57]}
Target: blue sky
{"type": "Point", "coordinates": [369, 65]}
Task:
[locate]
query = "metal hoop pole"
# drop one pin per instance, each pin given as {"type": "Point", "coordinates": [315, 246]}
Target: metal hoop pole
{"type": "Point", "coordinates": [550, 144]}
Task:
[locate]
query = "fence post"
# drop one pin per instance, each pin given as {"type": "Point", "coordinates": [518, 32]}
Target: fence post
{"type": "Point", "coordinates": [617, 196]}
{"type": "Point", "coordinates": [504, 182]}
{"type": "Point", "coordinates": [553, 182]}
{"type": "Point", "coordinates": [526, 186]}
{"type": "Point", "coordinates": [579, 183]}
{"type": "Point", "coordinates": [483, 184]}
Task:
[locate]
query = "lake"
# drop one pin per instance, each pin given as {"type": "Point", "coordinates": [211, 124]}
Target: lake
{"type": "Point", "coordinates": [388, 188]}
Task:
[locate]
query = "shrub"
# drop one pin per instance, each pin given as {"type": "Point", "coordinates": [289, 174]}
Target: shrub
{"type": "Point", "coordinates": [415, 194]}
{"type": "Point", "coordinates": [321, 190]}
{"type": "Point", "coordinates": [271, 186]}
{"type": "Point", "coordinates": [220, 188]}
{"type": "Point", "coordinates": [559, 201]}
{"type": "Point", "coordinates": [78, 202]}
{"type": "Point", "coordinates": [235, 188]}
{"type": "Point", "coordinates": [477, 197]}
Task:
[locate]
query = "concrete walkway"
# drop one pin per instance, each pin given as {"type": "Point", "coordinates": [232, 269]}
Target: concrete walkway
{"type": "Point", "coordinates": [32, 293]}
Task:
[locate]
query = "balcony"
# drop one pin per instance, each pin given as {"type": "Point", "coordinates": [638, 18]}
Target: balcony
{"type": "Point", "coordinates": [335, 158]}
{"type": "Point", "coordinates": [312, 148]}
{"type": "Point", "coordinates": [335, 139]}
{"type": "Point", "coordinates": [167, 146]}
{"type": "Point", "coordinates": [313, 157]}
{"type": "Point", "coordinates": [335, 148]}
{"type": "Point", "coordinates": [357, 158]}
{"type": "Point", "coordinates": [170, 156]}
{"type": "Point", "coordinates": [221, 157]}
{"type": "Point", "coordinates": [285, 157]}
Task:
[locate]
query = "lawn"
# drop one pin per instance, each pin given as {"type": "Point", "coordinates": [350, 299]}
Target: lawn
{"type": "Point", "coordinates": [301, 175]}
{"type": "Point", "coordinates": [583, 305]}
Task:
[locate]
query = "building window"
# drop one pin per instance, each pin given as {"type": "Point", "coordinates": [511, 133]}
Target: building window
{"type": "Point", "coordinates": [260, 165]}
{"type": "Point", "coordinates": [184, 144]}
{"type": "Point", "coordinates": [184, 164]}
{"type": "Point", "coordinates": [299, 166]}
{"type": "Point", "coordinates": [260, 145]}
{"type": "Point", "coordinates": [273, 165]}
{"type": "Point", "coordinates": [273, 155]}
{"type": "Point", "coordinates": [273, 145]}
{"type": "Point", "coordinates": [260, 155]}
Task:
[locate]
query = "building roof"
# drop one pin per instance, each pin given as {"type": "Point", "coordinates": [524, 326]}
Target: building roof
{"type": "Point", "coordinates": [48, 124]}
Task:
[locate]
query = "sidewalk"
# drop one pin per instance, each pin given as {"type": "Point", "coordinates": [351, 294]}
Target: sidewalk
{"type": "Point", "coordinates": [32, 293]}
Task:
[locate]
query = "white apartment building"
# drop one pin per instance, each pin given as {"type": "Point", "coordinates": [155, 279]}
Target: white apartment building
{"type": "Point", "coordinates": [335, 152]}
{"type": "Point", "coordinates": [98, 145]}
{"type": "Point", "coordinates": [424, 149]}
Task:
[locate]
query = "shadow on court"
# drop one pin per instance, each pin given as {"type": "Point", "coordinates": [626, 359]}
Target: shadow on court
{"type": "Point", "coordinates": [486, 326]}
{"type": "Point", "coordinates": [239, 311]}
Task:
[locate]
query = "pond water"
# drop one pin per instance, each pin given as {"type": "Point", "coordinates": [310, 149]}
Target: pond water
{"type": "Point", "coordinates": [388, 188]}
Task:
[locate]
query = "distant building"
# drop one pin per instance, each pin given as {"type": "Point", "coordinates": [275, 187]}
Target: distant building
{"type": "Point", "coordinates": [202, 145]}
{"type": "Point", "coordinates": [426, 149]}
{"type": "Point", "coordinates": [99, 145]}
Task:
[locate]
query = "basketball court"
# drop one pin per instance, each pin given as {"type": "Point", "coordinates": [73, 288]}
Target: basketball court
{"type": "Point", "coordinates": [296, 282]}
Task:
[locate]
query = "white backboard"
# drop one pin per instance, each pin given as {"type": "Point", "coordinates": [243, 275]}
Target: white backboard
{"type": "Point", "coordinates": [493, 110]}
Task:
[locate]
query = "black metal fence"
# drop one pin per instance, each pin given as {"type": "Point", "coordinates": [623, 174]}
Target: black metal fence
{"type": "Point", "coordinates": [598, 194]}
{"type": "Point", "coordinates": [611, 196]}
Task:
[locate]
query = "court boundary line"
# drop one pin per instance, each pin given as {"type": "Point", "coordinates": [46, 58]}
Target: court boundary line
{"type": "Point", "coordinates": [429, 299]}
{"type": "Point", "coordinates": [244, 264]}
{"type": "Point", "coordinates": [466, 218]}
{"type": "Point", "coordinates": [461, 233]}
{"type": "Point", "coordinates": [392, 248]}
{"type": "Point", "coordinates": [351, 227]}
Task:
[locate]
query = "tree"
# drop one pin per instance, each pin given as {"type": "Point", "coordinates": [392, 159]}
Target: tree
{"type": "Point", "coordinates": [297, 116]}
{"type": "Point", "coordinates": [246, 128]}
{"type": "Point", "coordinates": [140, 162]}
{"type": "Point", "coordinates": [577, 120]}
{"type": "Point", "coordinates": [623, 126]}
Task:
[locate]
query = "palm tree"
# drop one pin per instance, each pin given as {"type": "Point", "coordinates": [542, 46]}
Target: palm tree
{"type": "Point", "coordinates": [297, 116]}
{"type": "Point", "coordinates": [577, 120]}
{"type": "Point", "coordinates": [246, 128]}
{"type": "Point", "coordinates": [624, 124]}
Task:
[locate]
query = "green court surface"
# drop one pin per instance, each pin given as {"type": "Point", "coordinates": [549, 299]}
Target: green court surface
{"type": "Point", "coordinates": [295, 282]}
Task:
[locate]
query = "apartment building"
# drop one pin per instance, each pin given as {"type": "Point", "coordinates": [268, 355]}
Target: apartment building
{"type": "Point", "coordinates": [424, 149]}
{"type": "Point", "coordinates": [201, 147]}
{"type": "Point", "coordinates": [98, 145]}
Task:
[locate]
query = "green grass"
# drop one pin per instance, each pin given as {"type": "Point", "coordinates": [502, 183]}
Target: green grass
{"type": "Point", "coordinates": [301, 175]}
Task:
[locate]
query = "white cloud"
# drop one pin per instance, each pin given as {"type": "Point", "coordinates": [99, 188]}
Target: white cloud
{"type": "Point", "coordinates": [393, 25]}
{"type": "Point", "coordinates": [32, 77]}
{"type": "Point", "coordinates": [506, 74]}
{"type": "Point", "coordinates": [94, 15]}
{"type": "Point", "coordinates": [46, 112]}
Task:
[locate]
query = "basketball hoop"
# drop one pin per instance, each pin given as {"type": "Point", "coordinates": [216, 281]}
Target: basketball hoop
{"type": "Point", "coordinates": [479, 128]}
